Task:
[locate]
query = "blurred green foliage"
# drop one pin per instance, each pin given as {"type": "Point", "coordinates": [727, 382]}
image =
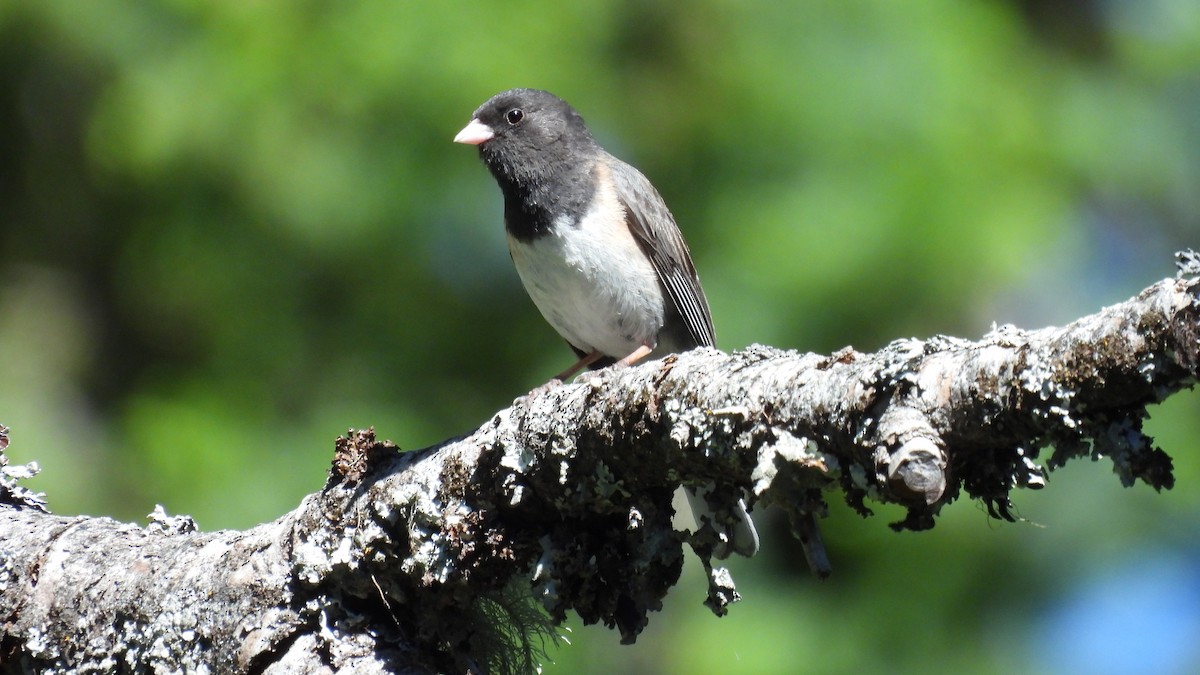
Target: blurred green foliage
{"type": "Point", "coordinates": [231, 230]}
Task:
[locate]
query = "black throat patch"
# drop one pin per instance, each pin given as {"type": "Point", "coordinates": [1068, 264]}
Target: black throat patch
{"type": "Point", "coordinates": [561, 195]}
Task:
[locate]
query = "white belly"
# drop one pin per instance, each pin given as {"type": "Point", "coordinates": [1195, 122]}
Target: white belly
{"type": "Point", "coordinates": [593, 285]}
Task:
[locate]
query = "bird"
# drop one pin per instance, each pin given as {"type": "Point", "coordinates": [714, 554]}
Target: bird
{"type": "Point", "coordinates": [596, 249]}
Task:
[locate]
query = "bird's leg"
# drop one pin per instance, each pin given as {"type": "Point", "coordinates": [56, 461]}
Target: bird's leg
{"type": "Point", "coordinates": [558, 379]}
{"type": "Point", "coordinates": [637, 355]}
{"type": "Point", "coordinates": [579, 365]}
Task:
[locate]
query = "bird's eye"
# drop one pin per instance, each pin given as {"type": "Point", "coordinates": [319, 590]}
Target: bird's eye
{"type": "Point", "coordinates": [514, 116]}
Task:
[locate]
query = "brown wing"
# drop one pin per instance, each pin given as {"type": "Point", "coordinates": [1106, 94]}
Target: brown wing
{"type": "Point", "coordinates": [656, 232]}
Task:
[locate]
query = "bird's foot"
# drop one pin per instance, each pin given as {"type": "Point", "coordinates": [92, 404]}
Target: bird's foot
{"type": "Point", "coordinates": [539, 390]}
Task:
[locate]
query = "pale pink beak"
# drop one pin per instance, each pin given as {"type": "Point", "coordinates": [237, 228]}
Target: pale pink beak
{"type": "Point", "coordinates": [475, 133]}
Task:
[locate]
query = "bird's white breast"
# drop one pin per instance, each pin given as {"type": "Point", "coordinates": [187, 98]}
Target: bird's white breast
{"type": "Point", "coordinates": [592, 282]}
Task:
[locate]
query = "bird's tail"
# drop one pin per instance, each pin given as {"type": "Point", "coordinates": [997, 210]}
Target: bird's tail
{"type": "Point", "coordinates": [735, 536]}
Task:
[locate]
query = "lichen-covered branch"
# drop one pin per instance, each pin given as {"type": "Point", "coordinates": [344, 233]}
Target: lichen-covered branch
{"type": "Point", "coordinates": [416, 562]}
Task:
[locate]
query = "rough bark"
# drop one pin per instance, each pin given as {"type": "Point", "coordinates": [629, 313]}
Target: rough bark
{"type": "Point", "coordinates": [407, 562]}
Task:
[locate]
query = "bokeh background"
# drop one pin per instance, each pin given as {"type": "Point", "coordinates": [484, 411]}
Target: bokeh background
{"type": "Point", "coordinates": [229, 231]}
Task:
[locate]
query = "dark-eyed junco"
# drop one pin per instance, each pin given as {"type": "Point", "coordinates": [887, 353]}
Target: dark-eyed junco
{"type": "Point", "coordinates": [596, 248]}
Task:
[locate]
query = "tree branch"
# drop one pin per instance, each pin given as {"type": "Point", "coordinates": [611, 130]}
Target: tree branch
{"type": "Point", "coordinates": [407, 562]}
